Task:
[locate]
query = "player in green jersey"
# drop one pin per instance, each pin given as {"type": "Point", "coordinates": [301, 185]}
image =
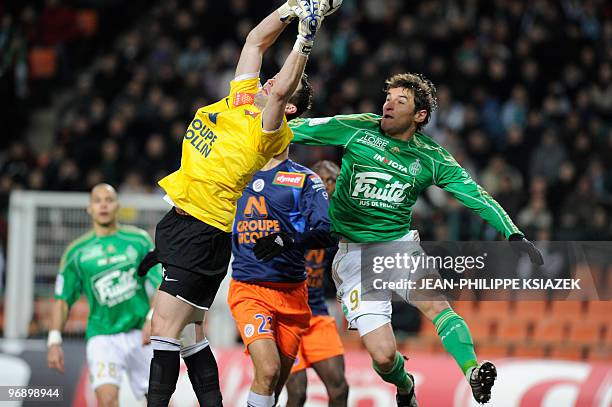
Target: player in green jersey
{"type": "Point", "coordinates": [102, 264]}
{"type": "Point", "coordinates": [387, 163]}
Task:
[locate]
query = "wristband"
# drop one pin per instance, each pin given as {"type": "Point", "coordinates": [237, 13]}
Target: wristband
{"type": "Point", "coordinates": [150, 314]}
{"type": "Point", "coordinates": [303, 46]}
{"type": "Point", "coordinates": [54, 338]}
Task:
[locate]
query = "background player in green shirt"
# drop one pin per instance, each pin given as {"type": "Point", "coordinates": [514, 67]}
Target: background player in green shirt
{"type": "Point", "coordinates": [102, 264]}
{"type": "Point", "coordinates": [387, 163]}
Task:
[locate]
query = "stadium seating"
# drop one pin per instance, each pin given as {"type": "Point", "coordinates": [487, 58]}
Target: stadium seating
{"type": "Point", "coordinates": [570, 330]}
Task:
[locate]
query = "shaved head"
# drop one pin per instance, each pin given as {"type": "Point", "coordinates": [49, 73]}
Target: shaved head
{"type": "Point", "coordinates": [102, 187]}
{"type": "Point", "coordinates": [103, 206]}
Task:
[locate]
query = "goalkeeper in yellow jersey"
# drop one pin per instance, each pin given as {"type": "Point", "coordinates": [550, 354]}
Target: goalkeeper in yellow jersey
{"type": "Point", "coordinates": [224, 145]}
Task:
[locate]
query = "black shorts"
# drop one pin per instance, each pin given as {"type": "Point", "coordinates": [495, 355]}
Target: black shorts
{"type": "Point", "coordinates": [194, 253]}
{"type": "Point", "coordinates": [195, 289]}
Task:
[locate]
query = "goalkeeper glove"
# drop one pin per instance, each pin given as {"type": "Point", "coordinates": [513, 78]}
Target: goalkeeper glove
{"type": "Point", "coordinates": [521, 245]}
{"type": "Point", "coordinates": [329, 7]}
{"type": "Point", "coordinates": [311, 15]}
{"type": "Point", "coordinates": [148, 261]}
{"type": "Point", "coordinates": [285, 12]}
{"type": "Point", "coordinates": [268, 247]}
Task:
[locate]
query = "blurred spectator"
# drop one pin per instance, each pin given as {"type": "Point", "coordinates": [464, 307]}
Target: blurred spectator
{"type": "Point", "coordinates": [496, 170]}
{"type": "Point", "coordinates": [534, 216]}
{"type": "Point", "coordinates": [547, 157]}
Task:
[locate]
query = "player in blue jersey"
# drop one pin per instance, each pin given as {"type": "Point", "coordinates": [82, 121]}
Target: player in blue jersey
{"type": "Point", "coordinates": [282, 213]}
{"type": "Point", "coordinates": [321, 347]}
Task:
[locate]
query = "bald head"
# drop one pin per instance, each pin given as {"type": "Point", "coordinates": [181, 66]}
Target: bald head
{"type": "Point", "coordinates": [102, 187]}
{"type": "Point", "coordinates": [103, 205]}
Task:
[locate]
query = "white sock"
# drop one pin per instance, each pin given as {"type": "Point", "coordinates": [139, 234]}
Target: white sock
{"type": "Point", "coordinates": [258, 400]}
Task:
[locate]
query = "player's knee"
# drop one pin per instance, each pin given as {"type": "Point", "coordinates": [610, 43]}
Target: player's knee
{"type": "Point", "coordinates": [296, 389]}
{"type": "Point", "coordinates": [158, 325]}
{"type": "Point", "coordinates": [338, 392]}
{"type": "Point", "coordinates": [384, 356]}
{"type": "Point", "coordinates": [268, 374]}
{"type": "Point", "coordinates": [296, 395]}
{"type": "Point", "coordinates": [383, 352]}
{"type": "Point", "coordinates": [107, 399]}
{"type": "Point", "coordinates": [163, 326]}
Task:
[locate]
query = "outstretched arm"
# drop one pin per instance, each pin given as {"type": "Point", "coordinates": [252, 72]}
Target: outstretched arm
{"type": "Point", "coordinates": [453, 178]}
{"type": "Point", "coordinates": [260, 39]}
{"type": "Point", "coordinates": [310, 15]}
{"type": "Point", "coordinates": [332, 131]}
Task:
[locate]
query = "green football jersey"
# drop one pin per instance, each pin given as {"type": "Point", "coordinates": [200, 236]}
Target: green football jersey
{"type": "Point", "coordinates": [381, 178]}
{"type": "Point", "coordinates": [104, 268]}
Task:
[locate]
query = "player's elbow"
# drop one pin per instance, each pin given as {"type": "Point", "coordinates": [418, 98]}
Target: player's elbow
{"type": "Point", "coordinates": [254, 39]}
{"type": "Point", "coordinates": [281, 93]}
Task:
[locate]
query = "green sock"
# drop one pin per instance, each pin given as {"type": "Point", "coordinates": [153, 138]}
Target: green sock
{"type": "Point", "coordinates": [397, 375]}
{"type": "Point", "coordinates": [456, 338]}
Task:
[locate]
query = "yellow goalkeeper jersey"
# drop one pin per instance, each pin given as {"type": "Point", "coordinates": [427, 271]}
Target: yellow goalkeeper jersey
{"type": "Point", "coordinates": [223, 147]}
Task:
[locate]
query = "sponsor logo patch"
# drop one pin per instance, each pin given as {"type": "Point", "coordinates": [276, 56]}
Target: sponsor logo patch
{"type": "Point", "coordinates": [249, 330]}
{"type": "Point", "coordinates": [375, 188]}
{"type": "Point", "coordinates": [317, 182]}
{"type": "Point", "coordinates": [415, 167]}
{"type": "Point", "coordinates": [242, 98]}
{"type": "Point", "coordinates": [114, 287]}
{"type": "Point", "coordinates": [373, 140]}
{"type": "Point", "coordinates": [259, 185]}
{"type": "Point", "coordinates": [251, 113]}
{"type": "Point", "coordinates": [289, 179]}
{"type": "Point", "coordinates": [59, 284]}
{"type": "Point", "coordinates": [391, 163]}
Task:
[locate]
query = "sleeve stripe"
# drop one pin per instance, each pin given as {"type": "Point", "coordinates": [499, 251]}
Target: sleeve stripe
{"type": "Point", "coordinates": [433, 171]}
{"type": "Point", "coordinates": [351, 138]}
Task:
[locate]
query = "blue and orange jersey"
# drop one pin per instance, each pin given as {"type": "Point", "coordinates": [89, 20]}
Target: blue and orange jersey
{"type": "Point", "coordinates": [288, 198]}
{"type": "Point", "coordinates": [318, 262]}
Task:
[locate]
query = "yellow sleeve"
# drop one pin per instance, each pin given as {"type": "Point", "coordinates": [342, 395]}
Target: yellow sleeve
{"type": "Point", "coordinates": [272, 141]}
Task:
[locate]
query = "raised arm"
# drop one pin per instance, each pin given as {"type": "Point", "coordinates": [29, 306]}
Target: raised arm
{"type": "Point", "coordinates": [261, 38]}
{"type": "Point", "coordinates": [286, 82]}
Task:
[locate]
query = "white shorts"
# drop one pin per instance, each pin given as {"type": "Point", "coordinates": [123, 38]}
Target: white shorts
{"type": "Point", "coordinates": [108, 356]}
{"type": "Point", "coordinates": [346, 271]}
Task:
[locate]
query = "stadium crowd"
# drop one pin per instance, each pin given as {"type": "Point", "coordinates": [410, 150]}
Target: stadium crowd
{"type": "Point", "coordinates": [524, 89]}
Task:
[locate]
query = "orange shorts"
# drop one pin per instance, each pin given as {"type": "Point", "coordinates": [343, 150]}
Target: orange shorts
{"type": "Point", "coordinates": [320, 342]}
{"type": "Point", "coordinates": [278, 311]}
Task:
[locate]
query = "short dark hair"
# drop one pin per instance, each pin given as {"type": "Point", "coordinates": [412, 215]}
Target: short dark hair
{"type": "Point", "coordinates": [302, 99]}
{"type": "Point", "coordinates": [423, 89]}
